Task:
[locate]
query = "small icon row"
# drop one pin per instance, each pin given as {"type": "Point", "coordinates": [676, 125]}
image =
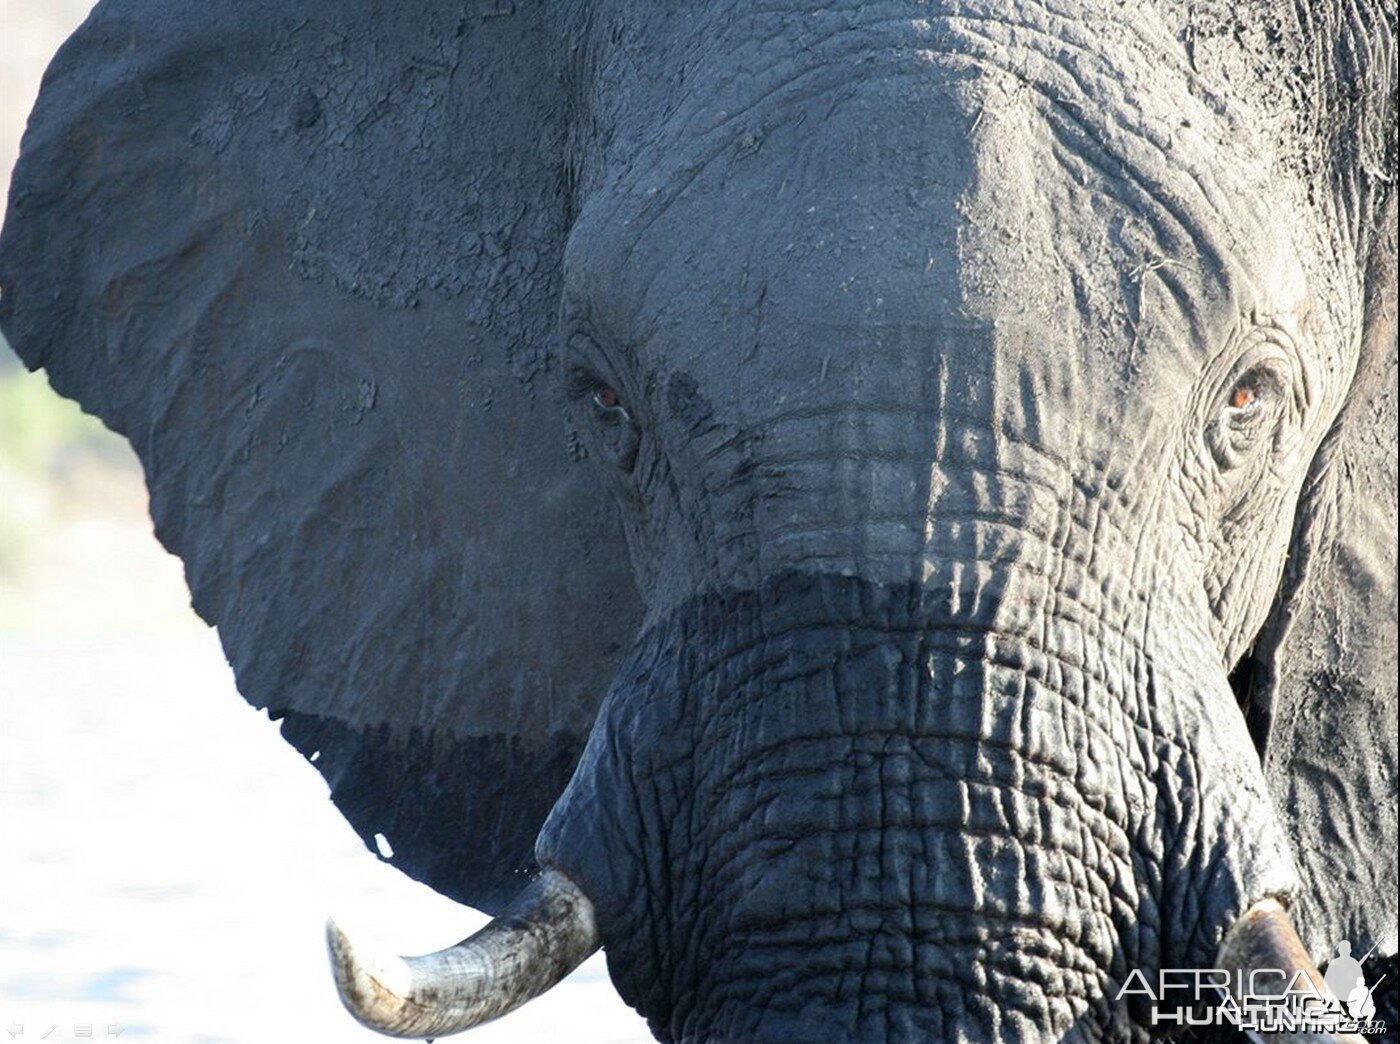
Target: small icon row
{"type": "Point", "coordinates": [80, 1029]}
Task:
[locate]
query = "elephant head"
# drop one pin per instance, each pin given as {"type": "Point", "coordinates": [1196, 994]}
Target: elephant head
{"type": "Point", "coordinates": [880, 515]}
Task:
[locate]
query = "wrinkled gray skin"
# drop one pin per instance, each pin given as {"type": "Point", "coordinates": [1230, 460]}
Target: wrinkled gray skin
{"type": "Point", "coordinates": [965, 375]}
{"type": "Point", "coordinates": [938, 309]}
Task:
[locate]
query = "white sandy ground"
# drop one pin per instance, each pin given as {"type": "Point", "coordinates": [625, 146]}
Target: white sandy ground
{"type": "Point", "coordinates": [167, 863]}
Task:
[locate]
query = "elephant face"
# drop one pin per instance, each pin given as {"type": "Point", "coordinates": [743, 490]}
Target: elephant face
{"type": "Point", "coordinates": [953, 384]}
{"type": "Point", "coordinates": [807, 306]}
{"type": "Point", "coordinates": [957, 435]}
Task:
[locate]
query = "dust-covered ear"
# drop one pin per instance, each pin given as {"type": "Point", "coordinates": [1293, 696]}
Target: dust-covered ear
{"type": "Point", "coordinates": [305, 257]}
{"type": "Point", "coordinates": [1323, 700]}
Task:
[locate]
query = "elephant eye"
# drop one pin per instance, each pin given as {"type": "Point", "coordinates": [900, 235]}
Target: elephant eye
{"type": "Point", "coordinates": [1244, 397]}
{"type": "Point", "coordinates": [1251, 409]}
{"type": "Point", "coordinates": [609, 405]}
{"type": "Point", "coordinates": [618, 437]}
{"type": "Point", "coordinates": [1253, 396]}
{"type": "Point", "coordinates": [613, 433]}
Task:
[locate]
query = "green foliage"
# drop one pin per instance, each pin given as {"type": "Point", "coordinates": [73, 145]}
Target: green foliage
{"type": "Point", "coordinates": [76, 553]}
{"type": "Point", "coordinates": [41, 433]}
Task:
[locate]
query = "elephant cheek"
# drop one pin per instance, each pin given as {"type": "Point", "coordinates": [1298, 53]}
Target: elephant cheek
{"type": "Point", "coordinates": [828, 799]}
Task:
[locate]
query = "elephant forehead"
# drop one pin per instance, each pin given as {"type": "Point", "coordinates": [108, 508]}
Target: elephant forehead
{"type": "Point", "coordinates": [943, 168]}
{"type": "Point", "coordinates": [699, 76]}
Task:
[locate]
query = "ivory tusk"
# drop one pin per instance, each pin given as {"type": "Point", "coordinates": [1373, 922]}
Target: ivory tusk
{"type": "Point", "coordinates": [1264, 937]}
{"type": "Point", "coordinates": [547, 932]}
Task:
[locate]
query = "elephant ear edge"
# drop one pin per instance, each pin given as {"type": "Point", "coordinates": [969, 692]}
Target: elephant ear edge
{"type": "Point", "coordinates": [307, 262]}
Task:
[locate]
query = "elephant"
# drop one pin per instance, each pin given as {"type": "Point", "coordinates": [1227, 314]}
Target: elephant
{"type": "Point", "coordinates": [880, 516]}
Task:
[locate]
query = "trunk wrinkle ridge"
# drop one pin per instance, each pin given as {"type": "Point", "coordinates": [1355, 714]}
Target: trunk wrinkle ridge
{"type": "Point", "coordinates": [830, 809]}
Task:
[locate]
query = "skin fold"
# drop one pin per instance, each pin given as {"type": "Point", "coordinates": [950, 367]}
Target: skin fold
{"type": "Point", "coordinates": [887, 501]}
{"type": "Point", "coordinates": [964, 748]}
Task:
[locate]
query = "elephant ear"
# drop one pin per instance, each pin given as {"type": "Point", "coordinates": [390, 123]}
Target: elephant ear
{"type": "Point", "coordinates": [306, 258]}
{"type": "Point", "coordinates": [1323, 699]}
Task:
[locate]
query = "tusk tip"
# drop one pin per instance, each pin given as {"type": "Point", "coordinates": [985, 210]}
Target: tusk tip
{"type": "Point", "coordinates": [342, 952]}
{"type": "Point", "coordinates": [548, 932]}
{"type": "Point", "coordinates": [372, 987]}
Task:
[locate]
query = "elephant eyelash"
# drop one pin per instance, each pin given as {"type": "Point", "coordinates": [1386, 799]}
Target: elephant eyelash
{"type": "Point", "coordinates": [584, 383]}
{"type": "Point", "coordinates": [605, 397]}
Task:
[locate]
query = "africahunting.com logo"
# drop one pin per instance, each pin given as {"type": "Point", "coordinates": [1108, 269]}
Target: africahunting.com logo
{"type": "Point", "coordinates": [1263, 1000]}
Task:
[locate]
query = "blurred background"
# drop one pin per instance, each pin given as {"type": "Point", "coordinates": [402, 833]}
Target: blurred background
{"type": "Point", "coordinates": [166, 861]}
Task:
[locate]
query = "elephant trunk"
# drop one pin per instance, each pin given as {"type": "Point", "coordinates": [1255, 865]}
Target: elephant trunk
{"type": "Point", "coordinates": [836, 810]}
{"type": "Point", "coordinates": [547, 933]}
{"type": "Point", "coordinates": [830, 810]}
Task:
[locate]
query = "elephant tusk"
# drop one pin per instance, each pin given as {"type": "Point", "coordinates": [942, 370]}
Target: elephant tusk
{"type": "Point", "coordinates": [547, 932]}
{"type": "Point", "coordinates": [1264, 937]}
